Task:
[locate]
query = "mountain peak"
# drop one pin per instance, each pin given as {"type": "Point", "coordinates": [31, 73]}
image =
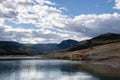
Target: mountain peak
{"type": "Point", "coordinates": [68, 40]}
{"type": "Point", "coordinates": [68, 43]}
{"type": "Point", "coordinates": [109, 34]}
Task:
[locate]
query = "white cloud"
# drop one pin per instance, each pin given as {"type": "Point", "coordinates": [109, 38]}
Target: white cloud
{"type": "Point", "coordinates": [52, 25]}
{"type": "Point", "coordinates": [117, 4]}
{"type": "Point", "coordinates": [92, 25]}
{"type": "Point", "coordinates": [37, 12]}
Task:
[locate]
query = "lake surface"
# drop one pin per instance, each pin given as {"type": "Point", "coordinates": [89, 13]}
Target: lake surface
{"type": "Point", "coordinates": [43, 70]}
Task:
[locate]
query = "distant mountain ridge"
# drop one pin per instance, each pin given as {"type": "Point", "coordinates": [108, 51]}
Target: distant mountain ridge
{"type": "Point", "coordinates": [99, 40]}
{"type": "Point", "coordinates": [14, 48]}
{"type": "Point", "coordinates": [50, 47]}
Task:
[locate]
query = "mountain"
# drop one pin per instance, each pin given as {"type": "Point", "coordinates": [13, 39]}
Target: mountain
{"type": "Point", "coordinates": [14, 48]}
{"type": "Point", "coordinates": [51, 47]}
{"type": "Point", "coordinates": [67, 43]}
{"type": "Point", "coordinates": [107, 36]}
{"type": "Point", "coordinates": [45, 48]}
{"type": "Point", "coordinates": [105, 48]}
{"type": "Point", "coordinates": [9, 45]}
{"type": "Point", "coordinates": [96, 41]}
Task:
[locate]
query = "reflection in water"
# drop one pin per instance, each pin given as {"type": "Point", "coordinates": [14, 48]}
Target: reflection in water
{"type": "Point", "coordinates": [42, 70]}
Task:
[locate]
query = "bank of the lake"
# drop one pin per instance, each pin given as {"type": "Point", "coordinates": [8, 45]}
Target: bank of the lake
{"type": "Point", "coordinates": [20, 57]}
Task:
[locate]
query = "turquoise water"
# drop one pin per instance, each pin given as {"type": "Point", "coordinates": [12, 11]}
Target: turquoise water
{"type": "Point", "coordinates": [43, 70]}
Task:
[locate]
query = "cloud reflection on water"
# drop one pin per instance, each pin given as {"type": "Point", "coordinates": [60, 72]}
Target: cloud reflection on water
{"type": "Point", "coordinates": [42, 70]}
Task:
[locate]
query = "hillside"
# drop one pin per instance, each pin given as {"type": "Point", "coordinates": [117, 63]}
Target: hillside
{"type": "Point", "coordinates": [14, 48]}
{"type": "Point", "coordinates": [102, 47]}
{"type": "Point", "coordinates": [97, 53]}
{"type": "Point", "coordinates": [96, 41]}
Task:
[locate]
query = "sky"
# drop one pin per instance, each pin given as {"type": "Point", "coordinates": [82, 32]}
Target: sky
{"type": "Point", "coordinates": [51, 21]}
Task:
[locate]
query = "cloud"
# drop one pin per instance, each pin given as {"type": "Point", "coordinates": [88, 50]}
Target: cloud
{"type": "Point", "coordinates": [41, 13]}
{"type": "Point", "coordinates": [117, 4]}
{"type": "Point", "coordinates": [33, 35]}
{"type": "Point", "coordinates": [9, 14]}
{"type": "Point", "coordinates": [52, 25]}
{"type": "Point", "coordinates": [92, 25]}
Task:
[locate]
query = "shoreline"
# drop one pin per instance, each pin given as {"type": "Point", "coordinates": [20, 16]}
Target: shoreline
{"type": "Point", "coordinates": [19, 57]}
